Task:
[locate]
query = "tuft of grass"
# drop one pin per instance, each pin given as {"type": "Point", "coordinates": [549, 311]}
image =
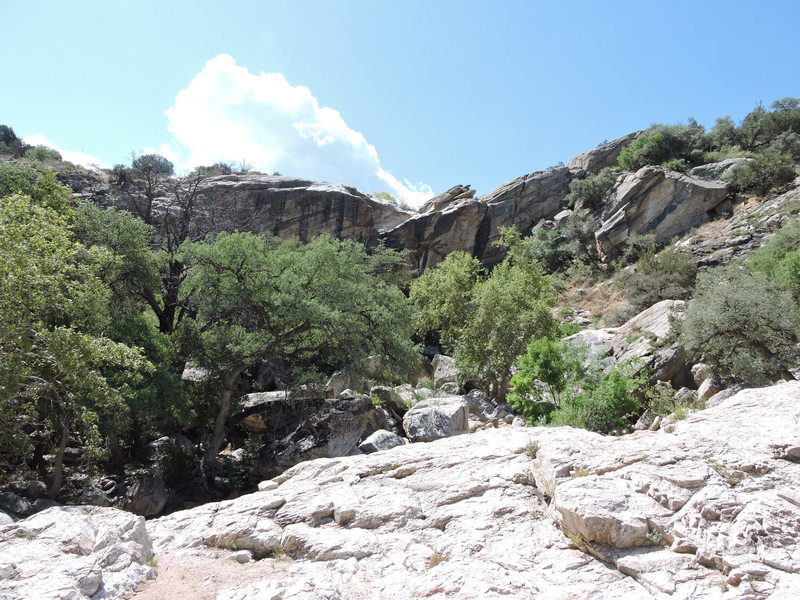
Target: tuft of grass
{"type": "Point", "coordinates": [436, 558]}
{"type": "Point", "coordinates": [580, 473]}
{"type": "Point", "coordinates": [532, 449]}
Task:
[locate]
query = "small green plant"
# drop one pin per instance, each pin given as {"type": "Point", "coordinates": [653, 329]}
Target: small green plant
{"type": "Point", "coordinates": [152, 561]}
{"type": "Point", "coordinates": [548, 488]}
{"type": "Point", "coordinates": [377, 400]}
{"type": "Point", "coordinates": [580, 473]}
{"type": "Point", "coordinates": [277, 552]}
{"type": "Point", "coordinates": [426, 382]}
{"type": "Point", "coordinates": [655, 536]}
{"type": "Point", "coordinates": [576, 539]}
{"type": "Point", "coordinates": [532, 449]}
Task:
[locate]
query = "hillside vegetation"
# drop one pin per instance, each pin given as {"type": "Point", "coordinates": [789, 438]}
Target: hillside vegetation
{"type": "Point", "coordinates": [106, 307]}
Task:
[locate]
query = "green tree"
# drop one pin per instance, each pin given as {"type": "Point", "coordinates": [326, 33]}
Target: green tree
{"type": "Point", "coordinates": [42, 154]}
{"type": "Point", "coordinates": [544, 374]}
{"type": "Point", "coordinates": [442, 297]}
{"type": "Point", "coordinates": [647, 149]}
{"type": "Point", "coordinates": [315, 307]}
{"type": "Point", "coordinates": [56, 365]}
{"type": "Point", "coordinates": [487, 321]}
{"type": "Point", "coordinates": [743, 324]}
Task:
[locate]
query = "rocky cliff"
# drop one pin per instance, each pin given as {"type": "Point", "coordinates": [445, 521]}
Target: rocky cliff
{"type": "Point", "coordinates": [708, 509]}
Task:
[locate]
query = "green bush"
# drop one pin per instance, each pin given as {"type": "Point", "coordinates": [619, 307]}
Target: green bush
{"type": "Point", "coordinates": [611, 403]}
{"type": "Point", "coordinates": [552, 386]}
{"type": "Point", "coordinates": [544, 373]}
{"type": "Point", "coordinates": [644, 150]}
{"type": "Point", "coordinates": [42, 154]}
{"type": "Point", "coordinates": [590, 191]}
{"type": "Point", "coordinates": [765, 172]}
{"type": "Point", "coordinates": [743, 324]}
{"type": "Point", "coordinates": [779, 258]}
{"type": "Point", "coordinates": [667, 275]}
{"type": "Point", "coordinates": [677, 164]}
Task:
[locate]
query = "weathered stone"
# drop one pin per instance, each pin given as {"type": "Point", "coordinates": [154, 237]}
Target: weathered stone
{"type": "Point", "coordinates": [595, 345]}
{"type": "Point", "coordinates": [289, 207]}
{"type": "Point", "coordinates": [444, 370]}
{"type": "Point", "coordinates": [719, 170]}
{"type": "Point", "coordinates": [655, 201]}
{"type": "Point", "coordinates": [605, 155]}
{"type": "Point", "coordinates": [73, 553]}
{"type": "Point", "coordinates": [437, 203]}
{"type": "Point", "coordinates": [381, 440]}
{"type": "Point", "coordinates": [436, 418]}
{"type": "Point", "coordinates": [430, 237]}
{"type": "Point", "coordinates": [335, 429]}
{"type": "Point", "coordinates": [667, 514]}
{"type": "Point", "coordinates": [473, 225]}
{"type": "Point", "coordinates": [521, 204]}
{"type": "Point", "coordinates": [147, 496]}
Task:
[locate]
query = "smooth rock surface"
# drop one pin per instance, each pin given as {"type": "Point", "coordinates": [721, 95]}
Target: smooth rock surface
{"type": "Point", "coordinates": [655, 201]}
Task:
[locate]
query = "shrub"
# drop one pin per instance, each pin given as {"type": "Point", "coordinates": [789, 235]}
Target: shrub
{"type": "Point", "coordinates": [765, 172]}
{"type": "Point", "coordinates": [779, 258]}
{"type": "Point", "coordinates": [590, 191]}
{"type": "Point", "coordinates": [609, 404]}
{"type": "Point", "coordinates": [667, 275]}
{"type": "Point", "coordinates": [644, 150]}
{"type": "Point", "coordinates": [743, 325]}
{"type": "Point", "coordinates": [676, 164]}
{"type": "Point", "coordinates": [544, 373]}
{"type": "Point", "coordinates": [42, 154]}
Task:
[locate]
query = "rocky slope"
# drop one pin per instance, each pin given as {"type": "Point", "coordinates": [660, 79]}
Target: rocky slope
{"type": "Point", "coordinates": [708, 510]}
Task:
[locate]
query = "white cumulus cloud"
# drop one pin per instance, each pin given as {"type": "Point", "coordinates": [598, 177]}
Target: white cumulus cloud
{"type": "Point", "coordinates": [76, 158]}
{"type": "Point", "coordinates": [229, 114]}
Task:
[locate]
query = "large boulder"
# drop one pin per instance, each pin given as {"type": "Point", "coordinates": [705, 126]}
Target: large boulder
{"type": "Point", "coordinates": [74, 553]}
{"type": "Point", "coordinates": [436, 418]}
{"type": "Point", "coordinates": [444, 370]}
{"type": "Point", "coordinates": [147, 496]}
{"type": "Point", "coordinates": [642, 338]}
{"type": "Point", "coordinates": [381, 440]}
{"type": "Point", "coordinates": [430, 237]}
{"type": "Point", "coordinates": [719, 170]}
{"type": "Point", "coordinates": [655, 201]}
{"type": "Point", "coordinates": [457, 192]}
{"type": "Point", "coordinates": [706, 512]}
{"type": "Point", "coordinates": [334, 429]}
{"type": "Point", "coordinates": [605, 155]}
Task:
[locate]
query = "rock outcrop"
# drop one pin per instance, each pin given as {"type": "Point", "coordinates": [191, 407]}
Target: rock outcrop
{"type": "Point", "coordinates": [473, 225]}
{"type": "Point", "coordinates": [605, 155]}
{"type": "Point", "coordinates": [287, 206]}
{"type": "Point", "coordinates": [707, 511]}
{"type": "Point", "coordinates": [656, 201]}
{"type": "Point", "coordinates": [74, 553]}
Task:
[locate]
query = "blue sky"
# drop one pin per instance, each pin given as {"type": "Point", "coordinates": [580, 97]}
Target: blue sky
{"type": "Point", "coordinates": [403, 96]}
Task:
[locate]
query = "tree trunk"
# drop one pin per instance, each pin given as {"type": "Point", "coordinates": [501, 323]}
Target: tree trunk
{"type": "Point", "coordinates": [58, 468]}
{"type": "Point", "coordinates": [116, 451]}
{"type": "Point", "coordinates": [223, 411]}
